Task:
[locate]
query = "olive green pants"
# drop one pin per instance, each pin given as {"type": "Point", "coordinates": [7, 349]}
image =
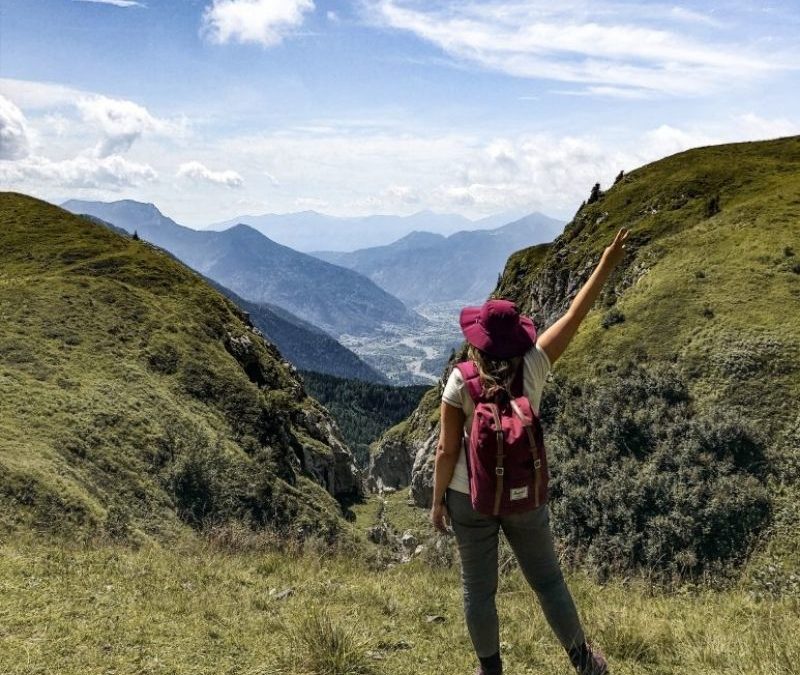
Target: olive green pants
{"type": "Point", "coordinates": [532, 543]}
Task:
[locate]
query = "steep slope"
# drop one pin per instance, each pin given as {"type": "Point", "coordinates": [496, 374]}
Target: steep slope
{"type": "Point", "coordinates": [136, 398]}
{"type": "Point", "coordinates": [423, 267]}
{"type": "Point", "coordinates": [242, 259]}
{"type": "Point", "coordinates": [672, 417]}
{"type": "Point", "coordinates": [306, 346]}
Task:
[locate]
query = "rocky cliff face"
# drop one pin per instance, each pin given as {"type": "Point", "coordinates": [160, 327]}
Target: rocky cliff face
{"type": "Point", "coordinates": [396, 453]}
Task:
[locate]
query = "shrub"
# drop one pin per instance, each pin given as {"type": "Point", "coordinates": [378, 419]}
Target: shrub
{"type": "Point", "coordinates": [117, 524]}
{"type": "Point", "coordinates": [321, 645]}
{"type": "Point", "coordinates": [201, 481]}
{"type": "Point", "coordinates": [163, 357]}
{"type": "Point", "coordinates": [595, 194]}
{"type": "Point", "coordinates": [712, 206]}
{"type": "Point", "coordinates": [611, 317]}
{"type": "Point", "coordinates": [640, 479]}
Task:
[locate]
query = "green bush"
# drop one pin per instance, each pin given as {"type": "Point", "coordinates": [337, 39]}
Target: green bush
{"type": "Point", "coordinates": [641, 479]}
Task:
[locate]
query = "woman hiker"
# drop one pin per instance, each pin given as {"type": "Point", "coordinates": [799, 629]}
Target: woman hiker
{"type": "Point", "coordinates": [500, 341]}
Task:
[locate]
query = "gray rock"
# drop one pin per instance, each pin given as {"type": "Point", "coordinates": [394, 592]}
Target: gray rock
{"type": "Point", "coordinates": [408, 540]}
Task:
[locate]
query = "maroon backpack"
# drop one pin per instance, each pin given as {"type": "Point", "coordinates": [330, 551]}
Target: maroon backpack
{"type": "Point", "coordinates": [506, 458]}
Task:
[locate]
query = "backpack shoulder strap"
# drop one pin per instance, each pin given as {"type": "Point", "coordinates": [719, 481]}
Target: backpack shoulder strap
{"type": "Point", "coordinates": [472, 379]}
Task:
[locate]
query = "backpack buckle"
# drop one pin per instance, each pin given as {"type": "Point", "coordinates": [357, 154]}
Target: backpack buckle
{"type": "Point", "coordinates": [499, 470]}
{"type": "Point", "coordinates": [537, 463]}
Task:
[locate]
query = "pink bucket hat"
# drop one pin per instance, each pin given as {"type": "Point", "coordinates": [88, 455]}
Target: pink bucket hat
{"type": "Point", "coordinates": [497, 328]}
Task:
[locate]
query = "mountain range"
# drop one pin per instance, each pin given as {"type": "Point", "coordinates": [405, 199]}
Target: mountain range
{"type": "Point", "coordinates": [425, 267]}
{"type": "Point", "coordinates": [336, 299]}
{"type": "Point", "coordinates": [314, 231]}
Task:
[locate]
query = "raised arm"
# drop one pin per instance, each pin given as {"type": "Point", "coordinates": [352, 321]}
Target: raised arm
{"type": "Point", "coordinates": [556, 338]}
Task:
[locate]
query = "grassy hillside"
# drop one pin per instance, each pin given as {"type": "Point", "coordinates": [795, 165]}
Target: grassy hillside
{"type": "Point", "coordinates": [137, 399]}
{"type": "Point", "coordinates": [672, 418]}
{"type": "Point", "coordinates": [714, 289]}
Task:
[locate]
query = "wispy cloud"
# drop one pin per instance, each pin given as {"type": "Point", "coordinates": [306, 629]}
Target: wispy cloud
{"type": "Point", "coordinates": [612, 47]}
{"type": "Point", "coordinates": [264, 22]}
{"type": "Point", "coordinates": [85, 171]}
{"type": "Point", "coordinates": [200, 172]}
{"type": "Point", "coordinates": [116, 3]}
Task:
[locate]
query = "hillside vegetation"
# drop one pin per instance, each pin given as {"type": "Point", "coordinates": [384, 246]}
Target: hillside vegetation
{"type": "Point", "coordinates": [137, 399]}
{"type": "Point", "coordinates": [672, 418]}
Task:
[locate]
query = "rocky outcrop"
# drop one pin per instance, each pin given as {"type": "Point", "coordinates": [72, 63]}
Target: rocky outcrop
{"type": "Point", "coordinates": [320, 452]}
{"type": "Point", "coordinates": [395, 454]}
{"type": "Point", "coordinates": [327, 458]}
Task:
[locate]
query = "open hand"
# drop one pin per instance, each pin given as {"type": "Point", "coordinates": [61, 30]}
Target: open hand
{"type": "Point", "coordinates": [440, 518]}
{"type": "Point", "coordinates": [616, 250]}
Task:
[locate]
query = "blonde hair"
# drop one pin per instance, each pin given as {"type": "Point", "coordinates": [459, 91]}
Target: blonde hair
{"type": "Point", "coordinates": [496, 375]}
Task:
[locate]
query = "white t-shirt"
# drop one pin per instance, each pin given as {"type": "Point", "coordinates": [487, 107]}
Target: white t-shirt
{"type": "Point", "coordinates": [536, 367]}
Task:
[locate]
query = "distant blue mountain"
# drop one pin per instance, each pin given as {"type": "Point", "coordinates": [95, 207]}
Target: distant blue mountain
{"type": "Point", "coordinates": [336, 299]}
{"type": "Point", "coordinates": [314, 231]}
{"type": "Point", "coordinates": [425, 267]}
{"type": "Point", "coordinates": [303, 344]}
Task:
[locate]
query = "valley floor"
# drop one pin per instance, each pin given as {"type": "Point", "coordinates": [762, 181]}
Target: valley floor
{"type": "Point", "coordinates": [416, 357]}
{"type": "Point", "coordinates": [201, 608]}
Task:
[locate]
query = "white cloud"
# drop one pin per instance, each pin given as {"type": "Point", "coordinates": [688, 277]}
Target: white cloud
{"type": "Point", "coordinates": [116, 3]}
{"type": "Point", "coordinates": [83, 172]}
{"type": "Point", "coordinates": [264, 22]}
{"type": "Point", "coordinates": [753, 126]}
{"type": "Point", "coordinates": [122, 122]}
{"type": "Point", "coordinates": [603, 44]}
{"type": "Point", "coordinates": [32, 95]}
{"type": "Point", "coordinates": [14, 142]}
{"type": "Point", "coordinates": [200, 172]}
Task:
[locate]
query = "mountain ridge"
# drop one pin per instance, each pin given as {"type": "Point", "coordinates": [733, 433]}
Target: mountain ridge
{"type": "Point", "coordinates": [307, 230]}
{"type": "Point", "coordinates": [425, 267]}
{"type": "Point", "coordinates": [336, 299]}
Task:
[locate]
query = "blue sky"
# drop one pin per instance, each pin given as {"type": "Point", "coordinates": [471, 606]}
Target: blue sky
{"type": "Point", "coordinates": [213, 108]}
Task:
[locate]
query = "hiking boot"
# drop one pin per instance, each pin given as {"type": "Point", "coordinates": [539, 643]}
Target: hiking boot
{"type": "Point", "coordinates": [491, 665]}
{"type": "Point", "coordinates": [588, 660]}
